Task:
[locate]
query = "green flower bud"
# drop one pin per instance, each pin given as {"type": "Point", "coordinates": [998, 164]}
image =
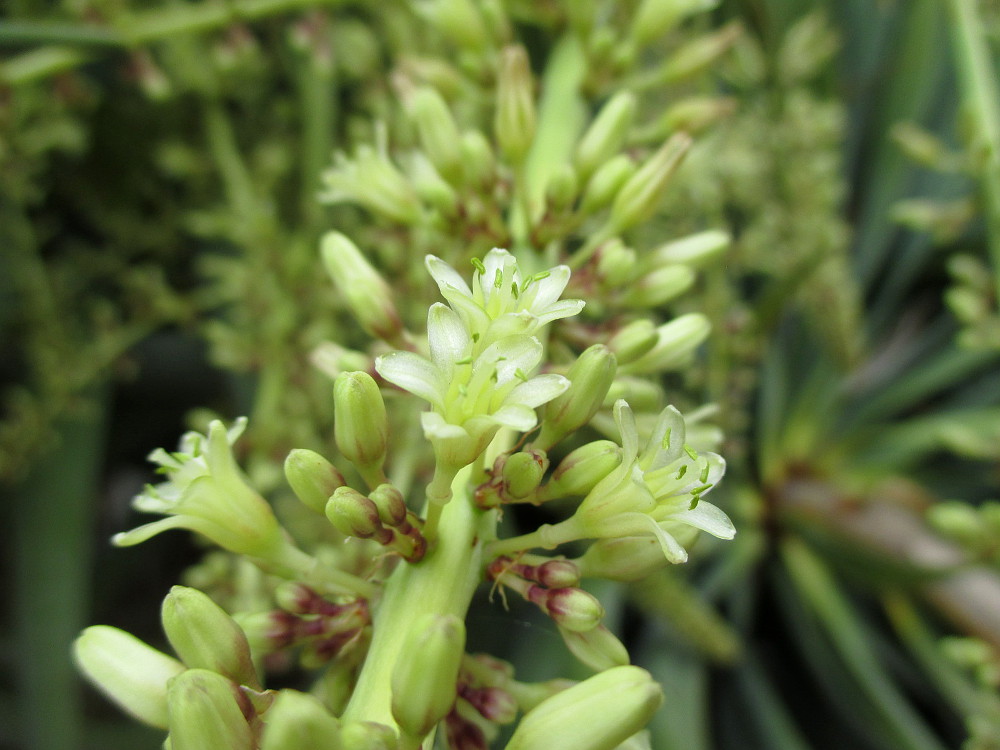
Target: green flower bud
{"type": "Point", "coordinates": [362, 287]}
{"type": "Point", "coordinates": [312, 478]}
{"type": "Point", "coordinates": [696, 250]}
{"type": "Point", "coordinates": [432, 187]}
{"type": "Point", "coordinates": [677, 341]}
{"type": "Point", "coordinates": [298, 721]}
{"type": "Point", "coordinates": [478, 161]}
{"type": "Point", "coordinates": [599, 648]}
{"type": "Point", "coordinates": [572, 609]}
{"type": "Point", "coordinates": [606, 133]}
{"type": "Point", "coordinates": [638, 197]}
{"type": "Point", "coordinates": [807, 46]}
{"type": "Point", "coordinates": [353, 514]}
{"type": "Point", "coordinates": [368, 735]}
{"type": "Point", "coordinates": [590, 377]}
{"type": "Point", "coordinates": [698, 54]}
{"type": "Point", "coordinates": [206, 712]}
{"type": "Point", "coordinates": [653, 18]}
{"type": "Point", "coordinates": [458, 20]}
{"type": "Point", "coordinates": [696, 113]}
{"type": "Point", "coordinates": [597, 714]}
{"type": "Point", "coordinates": [129, 672]}
{"type": "Point", "coordinates": [633, 340]}
{"type": "Point", "coordinates": [522, 473]}
{"type": "Point", "coordinates": [642, 394]}
{"type": "Point", "coordinates": [615, 263]}
{"type": "Point", "coordinates": [425, 677]}
{"type": "Point", "coordinates": [390, 504]}
{"type": "Point", "coordinates": [332, 359]}
{"type": "Point", "coordinates": [581, 470]}
{"type": "Point", "coordinates": [605, 183]}
{"type": "Point", "coordinates": [514, 123]}
{"type": "Point", "coordinates": [361, 426]}
{"type": "Point", "coordinates": [437, 131]}
{"type": "Point", "coordinates": [660, 286]}
{"type": "Point", "coordinates": [562, 188]}
{"type": "Point", "coordinates": [629, 558]}
{"type": "Point", "coordinates": [204, 636]}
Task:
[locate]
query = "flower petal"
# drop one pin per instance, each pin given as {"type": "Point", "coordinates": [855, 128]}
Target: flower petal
{"type": "Point", "coordinates": [544, 292]}
{"type": "Point", "coordinates": [412, 373]}
{"type": "Point", "coordinates": [563, 309]}
{"type": "Point", "coordinates": [435, 426]}
{"type": "Point", "coordinates": [666, 443]}
{"type": "Point", "coordinates": [538, 390]}
{"type": "Point", "coordinates": [625, 420]}
{"type": "Point", "coordinates": [516, 416]}
{"type": "Point", "coordinates": [446, 276]}
{"type": "Point", "coordinates": [447, 336]}
{"type": "Point", "coordinates": [706, 517]}
{"type": "Point", "coordinates": [514, 353]}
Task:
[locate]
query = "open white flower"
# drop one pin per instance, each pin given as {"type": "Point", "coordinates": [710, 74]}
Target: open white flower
{"type": "Point", "coordinates": [472, 397]}
{"type": "Point", "coordinates": [205, 492]}
{"type": "Point", "coordinates": [500, 302]}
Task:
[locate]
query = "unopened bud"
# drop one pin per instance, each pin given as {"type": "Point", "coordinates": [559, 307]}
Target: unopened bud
{"type": "Point", "coordinates": [615, 263]}
{"type": "Point", "coordinates": [573, 609]}
{"type": "Point", "coordinates": [581, 470]}
{"type": "Point", "coordinates": [368, 735]}
{"type": "Point", "coordinates": [312, 478]}
{"type": "Point", "coordinates": [557, 574]}
{"type": "Point", "coordinates": [807, 46]}
{"type": "Point", "coordinates": [606, 133]}
{"type": "Point", "coordinates": [590, 377]}
{"type": "Point", "coordinates": [599, 648]}
{"type": "Point", "coordinates": [698, 54]}
{"type": "Point", "coordinates": [639, 197]}
{"type": "Point", "coordinates": [332, 359]}
{"type": "Point", "coordinates": [353, 514]}
{"type": "Point", "coordinates": [696, 113]}
{"type": "Point", "coordinates": [562, 187]}
{"type": "Point", "coordinates": [660, 286]}
{"type": "Point", "coordinates": [390, 504]}
{"type": "Point", "coordinates": [478, 161]}
{"type": "Point", "coordinates": [205, 712]}
{"type": "Point", "coordinates": [653, 18]}
{"type": "Point", "coordinates": [643, 394]}
{"type": "Point", "coordinates": [206, 637]}
{"type": "Point", "coordinates": [677, 341]}
{"type": "Point", "coordinates": [605, 183]}
{"type": "Point", "coordinates": [129, 672]}
{"type": "Point", "coordinates": [522, 473]}
{"type": "Point", "coordinates": [432, 187]}
{"type": "Point", "coordinates": [437, 131]}
{"type": "Point", "coordinates": [425, 677]}
{"type": "Point", "coordinates": [361, 426]}
{"type": "Point", "coordinates": [696, 250]}
{"type": "Point", "coordinates": [458, 20]}
{"type": "Point", "coordinates": [629, 558]}
{"type": "Point", "coordinates": [297, 721]}
{"type": "Point", "coordinates": [633, 340]}
{"type": "Point", "coordinates": [515, 109]}
{"type": "Point", "coordinates": [597, 714]}
{"type": "Point", "coordinates": [362, 287]}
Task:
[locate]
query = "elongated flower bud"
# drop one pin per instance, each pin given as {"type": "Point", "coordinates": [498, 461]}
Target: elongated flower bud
{"type": "Point", "coordinates": [205, 636]}
{"type": "Point", "coordinates": [515, 114]}
{"type": "Point", "coordinates": [581, 470]}
{"type": "Point", "coordinates": [425, 678]}
{"type": "Point", "coordinates": [653, 18]}
{"type": "Point", "coordinates": [590, 377]}
{"type": "Point", "coordinates": [128, 671]}
{"type": "Point", "coordinates": [362, 287]}
{"type": "Point", "coordinates": [361, 425]}
{"type": "Point", "coordinates": [605, 183]}
{"type": "Point", "coordinates": [437, 131]}
{"type": "Point", "coordinates": [390, 504]}
{"type": "Point", "coordinates": [298, 721]}
{"type": "Point", "coordinates": [660, 286]}
{"type": "Point", "coordinates": [606, 133]}
{"type": "Point", "coordinates": [205, 712]}
{"type": "Point", "coordinates": [597, 714]}
{"type": "Point", "coordinates": [478, 161]}
{"type": "Point", "coordinates": [615, 263]}
{"type": "Point", "coordinates": [573, 609]}
{"type": "Point", "coordinates": [598, 648]}
{"type": "Point", "coordinates": [629, 558]}
{"type": "Point", "coordinates": [638, 197]}
{"type": "Point", "coordinates": [677, 341]}
{"type": "Point", "coordinates": [312, 478]}
{"type": "Point", "coordinates": [696, 250]}
{"type": "Point", "coordinates": [633, 340]}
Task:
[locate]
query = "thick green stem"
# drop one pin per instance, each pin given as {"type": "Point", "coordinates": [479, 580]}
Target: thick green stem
{"type": "Point", "coordinates": [442, 583]}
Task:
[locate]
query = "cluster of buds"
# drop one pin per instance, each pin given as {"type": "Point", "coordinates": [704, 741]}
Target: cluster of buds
{"type": "Point", "coordinates": [323, 629]}
{"type": "Point", "coordinates": [382, 516]}
{"type": "Point", "coordinates": [553, 586]}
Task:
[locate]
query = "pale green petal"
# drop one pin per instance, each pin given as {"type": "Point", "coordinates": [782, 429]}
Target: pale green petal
{"type": "Point", "coordinates": [412, 373]}
{"type": "Point", "coordinates": [446, 276]}
{"type": "Point", "coordinates": [148, 530]}
{"type": "Point", "coordinates": [435, 426]}
{"type": "Point", "coordinates": [543, 293]}
{"type": "Point", "coordinates": [625, 420]}
{"type": "Point", "coordinates": [563, 309]}
{"type": "Point", "coordinates": [706, 517]}
{"type": "Point", "coordinates": [447, 336]}
{"type": "Point", "coordinates": [666, 443]}
{"type": "Point", "coordinates": [538, 390]}
{"type": "Point", "coordinates": [516, 416]}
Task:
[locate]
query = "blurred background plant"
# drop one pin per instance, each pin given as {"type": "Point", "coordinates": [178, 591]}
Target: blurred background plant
{"type": "Point", "coordinates": [160, 169]}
